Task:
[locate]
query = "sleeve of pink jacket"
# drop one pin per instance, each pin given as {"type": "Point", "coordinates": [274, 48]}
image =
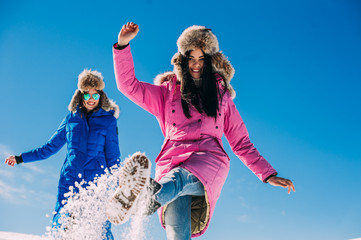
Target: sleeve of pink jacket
{"type": "Point", "coordinates": [237, 135]}
{"type": "Point", "coordinates": [148, 96]}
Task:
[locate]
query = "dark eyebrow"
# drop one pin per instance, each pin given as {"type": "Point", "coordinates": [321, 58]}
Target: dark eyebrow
{"type": "Point", "coordinates": [193, 56]}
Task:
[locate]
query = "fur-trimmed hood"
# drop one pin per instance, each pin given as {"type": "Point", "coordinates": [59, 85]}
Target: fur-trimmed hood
{"type": "Point", "coordinates": [91, 79]}
{"type": "Point", "coordinates": [105, 103]}
{"type": "Point", "coordinates": [203, 38]}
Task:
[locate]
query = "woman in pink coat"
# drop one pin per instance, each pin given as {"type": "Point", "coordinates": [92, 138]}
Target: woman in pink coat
{"type": "Point", "coordinates": [194, 108]}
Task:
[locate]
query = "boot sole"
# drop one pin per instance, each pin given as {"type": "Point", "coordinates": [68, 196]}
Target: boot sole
{"type": "Point", "coordinates": [132, 180]}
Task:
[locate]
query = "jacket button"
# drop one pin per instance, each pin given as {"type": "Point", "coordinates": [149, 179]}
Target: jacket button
{"type": "Point", "coordinates": [173, 111]}
{"type": "Point", "coordinates": [173, 124]}
{"type": "Point", "coordinates": [216, 127]}
{"type": "Point", "coordinates": [219, 114]}
{"type": "Point", "coordinates": [199, 120]}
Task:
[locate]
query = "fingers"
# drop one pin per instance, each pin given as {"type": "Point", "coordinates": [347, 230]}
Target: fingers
{"type": "Point", "coordinates": [282, 182]}
{"type": "Point", "coordinates": [127, 33]}
{"type": "Point", "coordinates": [129, 27]}
{"type": "Point", "coordinates": [10, 161]}
{"type": "Point", "coordinates": [290, 186]}
{"type": "Point", "coordinates": [293, 187]}
{"type": "Point", "coordinates": [132, 25]}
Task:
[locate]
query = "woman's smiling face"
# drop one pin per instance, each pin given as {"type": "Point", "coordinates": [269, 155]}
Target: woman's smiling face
{"type": "Point", "coordinates": [91, 103]}
{"type": "Point", "coordinates": [196, 63]}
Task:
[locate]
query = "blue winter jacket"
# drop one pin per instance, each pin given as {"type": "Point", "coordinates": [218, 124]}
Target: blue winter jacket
{"type": "Point", "coordinates": [92, 146]}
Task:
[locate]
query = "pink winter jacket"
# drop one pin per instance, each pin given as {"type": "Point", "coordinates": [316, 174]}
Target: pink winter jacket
{"type": "Point", "coordinates": [193, 143]}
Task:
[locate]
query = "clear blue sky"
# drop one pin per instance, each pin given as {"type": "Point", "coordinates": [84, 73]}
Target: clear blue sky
{"type": "Point", "coordinates": [298, 81]}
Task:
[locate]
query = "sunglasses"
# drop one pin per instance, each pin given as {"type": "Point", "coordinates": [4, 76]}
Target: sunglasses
{"type": "Point", "coordinates": [87, 96]}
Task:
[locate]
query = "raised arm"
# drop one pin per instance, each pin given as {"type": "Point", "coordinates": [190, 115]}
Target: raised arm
{"type": "Point", "coordinates": [146, 95]}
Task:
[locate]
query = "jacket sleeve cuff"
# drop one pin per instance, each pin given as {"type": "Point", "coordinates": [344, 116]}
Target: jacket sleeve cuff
{"type": "Point", "coordinates": [19, 159]}
{"type": "Point", "coordinates": [118, 47]}
{"type": "Point", "coordinates": [267, 178]}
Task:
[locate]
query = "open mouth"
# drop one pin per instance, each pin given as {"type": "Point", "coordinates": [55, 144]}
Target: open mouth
{"type": "Point", "coordinates": [196, 73]}
{"type": "Point", "coordinates": [90, 103]}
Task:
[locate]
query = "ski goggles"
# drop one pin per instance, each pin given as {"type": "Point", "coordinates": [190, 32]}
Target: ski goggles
{"type": "Point", "coordinates": [87, 96]}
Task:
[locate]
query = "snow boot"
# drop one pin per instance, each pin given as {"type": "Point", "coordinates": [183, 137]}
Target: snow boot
{"type": "Point", "coordinates": [152, 205]}
{"type": "Point", "coordinates": [154, 186]}
{"type": "Point", "coordinates": [132, 181]}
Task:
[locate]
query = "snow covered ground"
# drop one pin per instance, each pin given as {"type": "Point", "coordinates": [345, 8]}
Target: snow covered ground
{"type": "Point", "coordinates": [18, 236]}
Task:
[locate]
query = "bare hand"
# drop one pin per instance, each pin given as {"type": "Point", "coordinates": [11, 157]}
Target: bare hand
{"type": "Point", "coordinates": [10, 160]}
{"type": "Point", "coordinates": [127, 33]}
{"type": "Point", "coordinates": [282, 182]}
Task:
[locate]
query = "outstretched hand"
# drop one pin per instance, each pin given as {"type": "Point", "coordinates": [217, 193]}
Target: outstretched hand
{"type": "Point", "coordinates": [10, 160]}
{"type": "Point", "coordinates": [127, 33]}
{"type": "Point", "coordinates": [282, 182]}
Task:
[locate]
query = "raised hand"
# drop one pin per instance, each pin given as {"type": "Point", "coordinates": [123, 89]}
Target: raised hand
{"type": "Point", "coordinates": [127, 33]}
{"type": "Point", "coordinates": [10, 160]}
{"type": "Point", "coordinates": [282, 182]}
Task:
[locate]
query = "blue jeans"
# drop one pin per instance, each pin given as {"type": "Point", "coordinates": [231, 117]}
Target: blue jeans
{"type": "Point", "coordinates": [178, 187]}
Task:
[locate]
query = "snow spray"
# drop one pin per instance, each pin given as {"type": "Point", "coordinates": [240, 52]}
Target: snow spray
{"type": "Point", "coordinates": [83, 215]}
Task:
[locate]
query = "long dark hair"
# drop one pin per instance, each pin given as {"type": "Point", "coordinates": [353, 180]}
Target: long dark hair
{"type": "Point", "coordinates": [204, 98]}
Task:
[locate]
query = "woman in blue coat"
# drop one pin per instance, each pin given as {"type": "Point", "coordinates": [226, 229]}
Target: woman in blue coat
{"type": "Point", "coordinates": [90, 132]}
